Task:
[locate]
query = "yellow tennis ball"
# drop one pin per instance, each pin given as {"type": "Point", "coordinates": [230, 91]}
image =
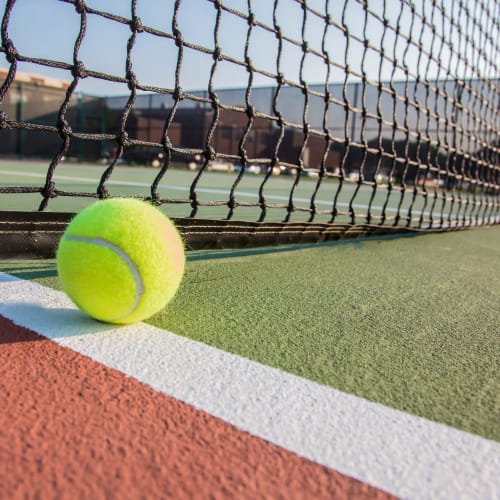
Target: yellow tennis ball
{"type": "Point", "coordinates": [121, 260]}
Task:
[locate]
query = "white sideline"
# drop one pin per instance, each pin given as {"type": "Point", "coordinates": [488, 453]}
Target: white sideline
{"type": "Point", "coordinates": [405, 455]}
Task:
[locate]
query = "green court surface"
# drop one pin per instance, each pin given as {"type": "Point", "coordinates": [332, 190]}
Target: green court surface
{"type": "Point", "coordinates": [409, 322]}
{"type": "Point", "coordinates": [215, 187]}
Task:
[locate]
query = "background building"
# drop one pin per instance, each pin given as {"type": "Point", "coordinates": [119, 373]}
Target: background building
{"type": "Point", "coordinates": [372, 132]}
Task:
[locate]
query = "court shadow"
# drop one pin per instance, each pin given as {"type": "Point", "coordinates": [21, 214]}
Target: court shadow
{"type": "Point", "coordinates": [29, 271]}
{"type": "Point", "coordinates": [53, 323]}
{"type": "Point", "coordinates": [31, 274]}
{"type": "Point", "coordinates": [197, 255]}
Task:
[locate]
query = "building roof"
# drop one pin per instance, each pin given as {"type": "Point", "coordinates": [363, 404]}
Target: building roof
{"type": "Point", "coordinates": [44, 81]}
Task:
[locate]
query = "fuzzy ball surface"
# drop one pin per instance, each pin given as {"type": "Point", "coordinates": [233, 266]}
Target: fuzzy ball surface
{"type": "Point", "coordinates": [121, 260]}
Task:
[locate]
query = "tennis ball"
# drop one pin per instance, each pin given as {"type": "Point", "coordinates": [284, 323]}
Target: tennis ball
{"type": "Point", "coordinates": [120, 260]}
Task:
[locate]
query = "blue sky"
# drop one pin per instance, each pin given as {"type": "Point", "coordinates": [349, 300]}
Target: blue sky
{"type": "Point", "coordinates": [48, 29]}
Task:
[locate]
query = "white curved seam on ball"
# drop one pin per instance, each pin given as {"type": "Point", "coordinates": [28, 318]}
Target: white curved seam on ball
{"type": "Point", "coordinates": [139, 286]}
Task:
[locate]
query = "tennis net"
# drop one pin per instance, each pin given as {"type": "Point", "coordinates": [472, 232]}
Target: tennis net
{"type": "Point", "coordinates": [328, 119]}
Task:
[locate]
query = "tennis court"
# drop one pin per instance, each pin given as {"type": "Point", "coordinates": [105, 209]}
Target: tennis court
{"type": "Point", "coordinates": [407, 323]}
{"type": "Point", "coordinates": [332, 169]}
{"type": "Point", "coordinates": [377, 318]}
{"type": "Point", "coordinates": [129, 181]}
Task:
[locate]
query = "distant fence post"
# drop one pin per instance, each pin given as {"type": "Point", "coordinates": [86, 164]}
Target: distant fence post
{"type": "Point", "coordinates": [104, 126]}
{"type": "Point", "coordinates": [20, 118]}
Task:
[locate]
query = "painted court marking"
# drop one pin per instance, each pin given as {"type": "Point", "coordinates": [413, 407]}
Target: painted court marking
{"type": "Point", "coordinates": [406, 455]}
{"type": "Point", "coordinates": [98, 433]}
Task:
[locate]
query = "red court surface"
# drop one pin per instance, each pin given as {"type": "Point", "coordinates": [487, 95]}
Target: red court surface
{"type": "Point", "coordinates": [73, 428]}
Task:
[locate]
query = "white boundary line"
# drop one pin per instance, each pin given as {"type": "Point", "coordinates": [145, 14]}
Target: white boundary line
{"type": "Point", "coordinates": [406, 455]}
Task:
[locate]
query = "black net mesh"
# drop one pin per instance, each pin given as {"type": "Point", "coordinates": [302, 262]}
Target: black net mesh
{"type": "Point", "coordinates": [329, 115]}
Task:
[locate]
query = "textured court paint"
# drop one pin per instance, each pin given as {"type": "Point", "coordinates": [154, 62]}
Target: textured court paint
{"type": "Point", "coordinates": [73, 428]}
{"type": "Point", "coordinates": [411, 323]}
{"type": "Point", "coordinates": [405, 455]}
